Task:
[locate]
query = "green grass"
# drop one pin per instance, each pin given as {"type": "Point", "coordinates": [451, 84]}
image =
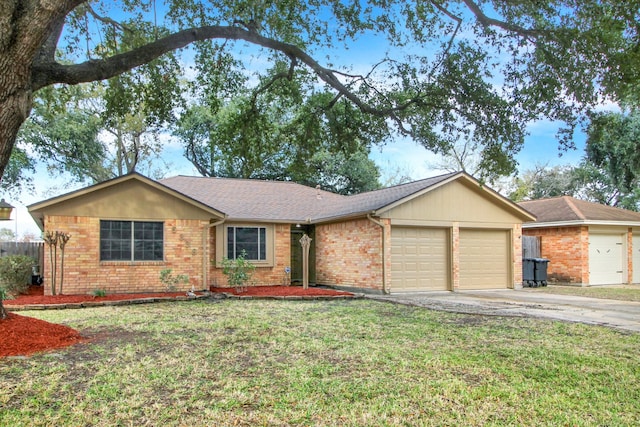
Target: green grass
{"type": "Point", "coordinates": [325, 363]}
{"type": "Point", "coordinates": [621, 293]}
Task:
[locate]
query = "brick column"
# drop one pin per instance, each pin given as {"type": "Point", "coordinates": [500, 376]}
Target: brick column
{"type": "Point", "coordinates": [455, 256]}
{"type": "Point", "coordinates": [630, 255]}
{"type": "Point", "coordinates": [516, 246]}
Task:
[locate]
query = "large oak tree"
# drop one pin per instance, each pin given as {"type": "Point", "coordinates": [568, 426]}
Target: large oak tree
{"type": "Point", "coordinates": [477, 70]}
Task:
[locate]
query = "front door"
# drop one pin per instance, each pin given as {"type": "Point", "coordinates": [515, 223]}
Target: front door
{"type": "Point", "coordinates": [296, 254]}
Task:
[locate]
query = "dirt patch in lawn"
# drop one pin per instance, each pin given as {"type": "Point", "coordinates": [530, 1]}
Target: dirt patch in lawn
{"type": "Point", "coordinates": [281, 291]}
{"type": "Point", "coordinates": [21, 335]}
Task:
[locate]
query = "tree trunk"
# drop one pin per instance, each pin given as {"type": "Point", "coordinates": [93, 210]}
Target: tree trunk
{"type": "Point", "coordinates": [3, 312]}
{"type": "Point", "coordinates": [15, 106]}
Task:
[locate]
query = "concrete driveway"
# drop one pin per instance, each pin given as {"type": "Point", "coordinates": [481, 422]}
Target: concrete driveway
{"type": "Point", "coordinates": [527, 303]}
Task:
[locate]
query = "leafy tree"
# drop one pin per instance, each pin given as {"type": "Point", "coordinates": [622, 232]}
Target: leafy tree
{"type": "Point", "coordinates": [584, 181]}
{"type": "Point", "coordinates": [266, 135]}
{"type": "Point", "coordinates": [16, 179]}
{"type": "Point", "coordinates": [341, 174]}
{"type": "Point", "coordinates": [7, 235]}
{"type": "Point", "coordinates": [596, 185]}
{"type": "Point", "coordinates": [613, 146]}
{"type": "Point", "coordinates": [99, 131]}
{"type": "Point", "coordinates": [543, 182]}
{"type": "Point", "coordinates": [476, 70]}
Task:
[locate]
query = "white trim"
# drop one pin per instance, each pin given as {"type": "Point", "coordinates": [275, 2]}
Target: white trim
{"type": "Point", "coordinates": [580, 222]}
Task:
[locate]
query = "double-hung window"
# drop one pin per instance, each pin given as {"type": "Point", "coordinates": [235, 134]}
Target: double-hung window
{"type": "Point", "coordinates": [250, 240]}
{"type": "Point", "coordinates": [131, 241]}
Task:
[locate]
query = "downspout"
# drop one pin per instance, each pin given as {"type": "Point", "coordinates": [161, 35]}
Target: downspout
{"type": "Point", "coordinates": [384, 252]}
{"type": "Point", "coordinates": [205, 250]}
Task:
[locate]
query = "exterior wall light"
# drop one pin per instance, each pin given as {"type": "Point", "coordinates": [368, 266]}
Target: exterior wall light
{"type": "Point", "coordinates": [5, 210]}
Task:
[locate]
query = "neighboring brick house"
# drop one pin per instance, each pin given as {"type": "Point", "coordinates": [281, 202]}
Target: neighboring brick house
{"type": "Point", "coordinates": [586, 243]}
{"type": "Point", "coordinates": [442, 233]}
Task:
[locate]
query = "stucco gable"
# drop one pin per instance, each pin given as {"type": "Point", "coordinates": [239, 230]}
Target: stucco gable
{"type": "Point", "coordinates": [460, 200]}
{"type": "Point", "coordinates": [459, 196]}
{"type": "Point", "coordinates": [131, 196]}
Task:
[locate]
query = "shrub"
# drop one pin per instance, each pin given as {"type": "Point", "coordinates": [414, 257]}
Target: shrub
{"type": "Point", "coordinates": [170, 281]}
{"type": "Point", "coordinates": [15, 273]}
{"type": "Point", "coordinates": [99, 292]}
{"type": "Point", "coordinates": [238, 271]}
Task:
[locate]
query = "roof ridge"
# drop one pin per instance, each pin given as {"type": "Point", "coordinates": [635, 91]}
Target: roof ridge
{"type": "Point", "coordinates": [442, 176]}
{"type": "Point", "coordinates": [569, 200]}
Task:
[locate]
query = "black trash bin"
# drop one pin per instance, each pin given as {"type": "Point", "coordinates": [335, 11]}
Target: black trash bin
{"type": "Point", "coordinates": [540, 271]}
{"type": "Point", "coordinates": [36, 279]}
{"type": "Point", "coordinates": [528, 273]}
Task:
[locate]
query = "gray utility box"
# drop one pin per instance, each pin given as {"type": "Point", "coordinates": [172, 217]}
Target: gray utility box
{"type": "Point", "coordinates": [534, 272]}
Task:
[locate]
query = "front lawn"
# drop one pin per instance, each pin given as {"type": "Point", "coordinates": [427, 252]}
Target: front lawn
{"type": "Point", "coordinates": [327, 363]}
{"type": "Point", "coordinates": [621, 293]}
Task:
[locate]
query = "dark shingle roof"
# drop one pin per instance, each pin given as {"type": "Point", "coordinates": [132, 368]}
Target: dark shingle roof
{"type": "Point", "coordinates": [569, 209]}
{"type": "Point", "coordinates": [287, 201]}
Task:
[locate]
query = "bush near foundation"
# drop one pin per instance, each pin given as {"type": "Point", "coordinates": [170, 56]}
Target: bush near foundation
{"type": "Point", "coordinates": [15, 273]}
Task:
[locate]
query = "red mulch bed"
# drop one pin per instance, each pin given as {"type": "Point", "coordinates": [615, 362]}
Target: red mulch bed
{"type": "Point", "coordinates": [281, 291]}
{"type": "Point", "coordinates": [36, 295]}
{"type": "Point", "coordinates": [21, 335]}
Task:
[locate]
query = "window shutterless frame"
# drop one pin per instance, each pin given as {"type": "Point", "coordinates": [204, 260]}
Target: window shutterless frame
{"type": "Point", "coordinates": [250, 240]}
{"type": "Point", "coordinates": [131, 241]}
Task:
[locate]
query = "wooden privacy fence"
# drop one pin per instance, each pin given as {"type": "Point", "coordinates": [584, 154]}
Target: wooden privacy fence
{"type": "Point", "coordinates": [32, 249]}
{"type": "Point", "coordinates": [531, 247]}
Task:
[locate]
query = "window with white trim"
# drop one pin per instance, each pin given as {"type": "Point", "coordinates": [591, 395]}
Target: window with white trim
{"type": "Point", "coordinates": [131, 241]}
{"type": "Point", "coordinates": [251, 240]}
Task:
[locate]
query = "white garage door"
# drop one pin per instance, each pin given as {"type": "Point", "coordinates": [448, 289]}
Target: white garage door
{"type": "Point", "coordinates": [419, 259]}
{"type": "Point", "coordinates": [484, 259]}
{"type": "Point", "coordinates": [606, 255]}
{"type": "Point", "coordinates": [636, 258]}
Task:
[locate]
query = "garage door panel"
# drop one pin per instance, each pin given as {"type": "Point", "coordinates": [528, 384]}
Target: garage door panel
{"type": "Point", "coordinates": [606, 256]}
{"type": "Point", "coordinates": [419, 259]}
{"type": "Point", "coordinates": [484, 259]}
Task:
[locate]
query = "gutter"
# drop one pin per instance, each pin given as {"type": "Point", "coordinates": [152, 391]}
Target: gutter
{"type": "Point", "coordinates": [205, 252]}
{"type": "Point", "coordinates": [384, 252]}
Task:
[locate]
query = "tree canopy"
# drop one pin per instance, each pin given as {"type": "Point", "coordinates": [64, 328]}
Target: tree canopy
{"type": "Point", "coordinates": [477, 71]}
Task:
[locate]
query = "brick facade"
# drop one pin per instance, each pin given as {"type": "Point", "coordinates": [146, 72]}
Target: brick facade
{"type": "Point", "coordinates": [567, 248]}
{"type": "Point", "coordinates": [85, 273]}
{"type": "Point", "coordinates": [350, 254]}
{"type": "Point", "coordinates": [262, 276]}
{"type": "Point", "coordinates": [183, 254]}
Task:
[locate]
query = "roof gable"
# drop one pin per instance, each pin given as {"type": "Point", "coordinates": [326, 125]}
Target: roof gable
{"type": "Point", "coordinates": [267, 201]}
{"type": "Point", "coordinates": [567, 209]}
{"type": "Point", "coordinates": [131, 195]}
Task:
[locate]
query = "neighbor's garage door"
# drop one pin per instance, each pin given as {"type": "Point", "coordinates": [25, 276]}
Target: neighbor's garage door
{"type": "Point", "coordinates": [636, 257]}
{"type": "Point", "coordinates": [419, 259]}
{"type": "Point", "coordinates": [484, 259]}
{"type": "Point", "coordinates": [606, 256]}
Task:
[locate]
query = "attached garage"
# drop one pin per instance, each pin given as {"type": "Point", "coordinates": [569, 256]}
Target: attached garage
{"type": "Point", "coordinates": [586, 243]}
{"type": "Point", "coordinates": [606, 258]}
{"type": "Point", "coordinates": [485, 257]}
{"type": "Point", "coordinates": [407, 238]}
{"type": "Point", "coordinates": [420, 259]}
{"type": "Point", "coordinates": [451, 236]}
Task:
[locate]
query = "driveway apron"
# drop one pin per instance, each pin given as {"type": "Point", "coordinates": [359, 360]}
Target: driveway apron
{"type": "Point", "coordinates": [623, 315]}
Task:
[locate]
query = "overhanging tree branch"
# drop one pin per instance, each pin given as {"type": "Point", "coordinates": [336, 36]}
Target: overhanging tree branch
{"type": "Point", "coordinates": [45, 74]}
{"type": "Point", "coordinates": [491, 22]}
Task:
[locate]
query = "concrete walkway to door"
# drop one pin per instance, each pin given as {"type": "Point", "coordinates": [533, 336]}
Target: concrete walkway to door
{"type": "Point", "coordinates": [527, 303]}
